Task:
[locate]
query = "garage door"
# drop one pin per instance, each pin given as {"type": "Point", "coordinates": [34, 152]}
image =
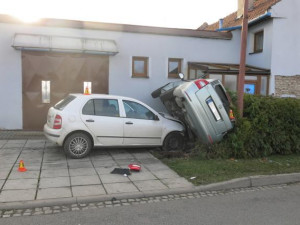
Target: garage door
{"type": "Point", "coordinates": [48, 77]}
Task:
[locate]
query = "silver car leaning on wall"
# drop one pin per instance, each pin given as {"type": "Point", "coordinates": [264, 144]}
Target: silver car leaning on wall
{"type": "Point", "coordinates": [202, 105]}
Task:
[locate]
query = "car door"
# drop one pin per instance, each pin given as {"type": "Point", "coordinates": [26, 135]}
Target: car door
{"type": "Point", "coordinates": [141, 125]}
{"type": "Point", "coordinates": [102, 118]}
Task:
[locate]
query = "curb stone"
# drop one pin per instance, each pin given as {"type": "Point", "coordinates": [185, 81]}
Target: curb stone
{"type": "Point", "coordinates": [127, 202]}
{"type": "Point", "coordinates": [274, 179]}
{"type": "Point", "coordinates": [246, 182]}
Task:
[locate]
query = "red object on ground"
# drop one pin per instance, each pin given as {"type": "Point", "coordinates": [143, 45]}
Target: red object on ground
{"type": "Point", "coordinates": [134, 167]}
{"type": "Point", "coordinates": [22, 167]}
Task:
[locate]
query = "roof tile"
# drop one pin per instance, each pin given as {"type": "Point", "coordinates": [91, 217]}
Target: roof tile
{"type": "Point", "coordinates": [260, 7]}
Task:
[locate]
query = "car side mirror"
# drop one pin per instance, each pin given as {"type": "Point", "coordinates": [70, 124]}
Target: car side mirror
{"type": "Point", "coordinates": [156, 117]}
{"type": "Point", "coordinates": [181, 75]}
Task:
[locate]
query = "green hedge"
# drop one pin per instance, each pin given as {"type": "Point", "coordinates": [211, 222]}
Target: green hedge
{"type": "Point", "coordinates": [269, 126]}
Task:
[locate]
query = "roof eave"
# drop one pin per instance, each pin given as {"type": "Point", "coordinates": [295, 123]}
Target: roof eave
{"type": "Point", "coordinates": [120, 28]}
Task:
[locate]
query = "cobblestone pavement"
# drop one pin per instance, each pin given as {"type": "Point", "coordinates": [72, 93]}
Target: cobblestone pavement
{"type": "Point", "coordinates": [51, 175]}
{"type": "Point", "coordinates": [128, 202]}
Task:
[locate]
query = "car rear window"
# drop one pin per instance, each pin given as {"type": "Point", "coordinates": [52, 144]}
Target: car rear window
{"type": "Point", "coordinates": [63, 103]}
{"type": "Point", "coordinates": [220, 91]}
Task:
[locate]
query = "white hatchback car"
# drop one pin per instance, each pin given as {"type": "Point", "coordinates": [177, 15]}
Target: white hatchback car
{"type": "Point", "coordinates": [80, 122]}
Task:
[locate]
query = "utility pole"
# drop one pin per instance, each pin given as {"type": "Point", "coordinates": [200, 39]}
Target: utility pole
{"type": "Point", "coordinates": [241, 79]}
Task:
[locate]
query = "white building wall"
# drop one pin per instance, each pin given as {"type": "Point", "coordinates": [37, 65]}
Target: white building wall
{"type": "Point", "coordinates": [285, 44]}
{"type": "Point", "coordinates": [286, 32]}
{"type": "Point", "coordinates": [157, 47]}
{"type": "Point", "coordinates": [260, 59]}
{"type": "Point", "coordinates": [10, 81]}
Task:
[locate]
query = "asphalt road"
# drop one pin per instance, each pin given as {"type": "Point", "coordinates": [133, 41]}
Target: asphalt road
{"type": "Point", "coordinates": [274, 206]}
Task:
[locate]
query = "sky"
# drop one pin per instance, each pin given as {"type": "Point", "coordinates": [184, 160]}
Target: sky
{"type": "Point", "coordinates": [188, 14]}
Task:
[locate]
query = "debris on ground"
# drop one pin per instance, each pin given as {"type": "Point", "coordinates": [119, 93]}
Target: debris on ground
{"type": "Point", "coordinates": [134, 167]}
{"type": "Point", "coordinates": [122, 171]}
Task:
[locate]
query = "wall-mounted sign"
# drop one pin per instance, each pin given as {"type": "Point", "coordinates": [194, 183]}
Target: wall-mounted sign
{"type": "Point", "coordinates": [87, 88]}
{"type": "Point", "coordinates": [45, 91]}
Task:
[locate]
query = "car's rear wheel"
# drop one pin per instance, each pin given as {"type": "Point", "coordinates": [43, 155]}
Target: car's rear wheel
{"type": "Point", "coordinates": [173, 142]}
{"type": "Point", "coordinates": [78, 145]}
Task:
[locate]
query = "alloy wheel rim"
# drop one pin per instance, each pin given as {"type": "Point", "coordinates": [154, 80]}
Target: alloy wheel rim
{"type": "Point", "coordinates": [78, 146]}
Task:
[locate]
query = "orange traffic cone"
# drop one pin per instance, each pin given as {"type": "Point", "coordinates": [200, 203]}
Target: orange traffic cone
{"type": "Point", "coordinates": [22, 167]}
{"type": "Point", "coordinates": [86, 91]}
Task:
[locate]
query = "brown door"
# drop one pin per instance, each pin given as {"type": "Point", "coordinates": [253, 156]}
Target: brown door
{"type": "Point", "coordinates": [65, 74]}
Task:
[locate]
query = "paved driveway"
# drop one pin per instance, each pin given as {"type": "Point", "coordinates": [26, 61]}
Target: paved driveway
{"type": "Point", "coordinates": [51, 175]}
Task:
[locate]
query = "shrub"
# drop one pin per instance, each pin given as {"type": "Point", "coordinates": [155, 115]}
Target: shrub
{"type": "Point", "coordinates": [270, 126]}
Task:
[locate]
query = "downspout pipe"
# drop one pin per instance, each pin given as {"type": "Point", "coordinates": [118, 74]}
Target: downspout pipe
{"type": "Point", "coordinates": [262, 17]}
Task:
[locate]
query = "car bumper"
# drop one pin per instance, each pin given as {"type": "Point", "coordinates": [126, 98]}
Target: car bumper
{"type": "Point", "coordinates": [53, 135]}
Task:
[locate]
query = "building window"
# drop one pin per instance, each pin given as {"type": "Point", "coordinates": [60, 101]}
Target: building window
{"type": "Point", "coordinates": [139, 67]}
{"type": "Point", "coordinates": [264, 85]}
{"type": "Point", "coordinates": [174, 68]}
{"type": "Point", "coordinates": [253, 84]}
{"type": "Point", "coordinates": [230, 82]}
{"type": "Point", "coordinates": [194, 73]}
{"type": "Point", "coordinates": [250, 88]}
{"type": "Point", "coordinates": [219, 77]}
{"type": "Point", "coordinates": [258, 41]}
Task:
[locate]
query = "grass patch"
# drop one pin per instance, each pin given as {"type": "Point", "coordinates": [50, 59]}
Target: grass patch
{"type": "Point", "coordinates": [215, 170]}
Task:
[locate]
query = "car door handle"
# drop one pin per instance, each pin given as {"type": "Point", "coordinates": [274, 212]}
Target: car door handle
{"type": "Point", "coordinates": [130, 123]}
{"type": "Point", "coordinates": [90, 121]}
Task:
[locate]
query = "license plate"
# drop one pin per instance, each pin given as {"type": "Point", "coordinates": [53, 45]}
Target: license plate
{"type": "Point", "coordinates": [213, 108]}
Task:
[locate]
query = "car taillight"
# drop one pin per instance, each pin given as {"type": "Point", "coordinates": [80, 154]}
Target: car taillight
{"type": "Point", "coordinates": [201, 83]}
{"type": "Point", "coordinates": [57, 122]}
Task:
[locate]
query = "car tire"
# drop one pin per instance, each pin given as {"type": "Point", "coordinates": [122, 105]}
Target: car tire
{"type": "Point", "coordinates": [173, 142]}
{"type": "Point", "coordinates": [78, 145]}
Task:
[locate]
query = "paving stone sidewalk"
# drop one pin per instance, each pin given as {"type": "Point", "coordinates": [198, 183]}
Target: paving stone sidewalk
{"type": "Point", "coordinates": [51, 175]}
{"type": "Point", "coordinates": [20, 134]}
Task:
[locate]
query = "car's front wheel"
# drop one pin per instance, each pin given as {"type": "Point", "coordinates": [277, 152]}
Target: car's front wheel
{"type": "Point", "coordinates": [78, 145]}
{"type": "Point", "coordinates": [173, 142]}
